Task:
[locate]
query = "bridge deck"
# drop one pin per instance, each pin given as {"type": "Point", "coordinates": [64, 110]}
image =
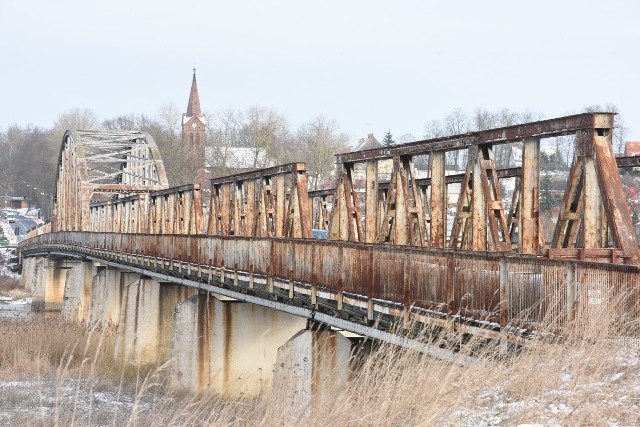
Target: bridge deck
{"type": "Point", "coordinates": [366, 284]}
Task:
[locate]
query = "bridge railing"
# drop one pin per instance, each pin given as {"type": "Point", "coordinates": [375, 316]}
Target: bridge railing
{"type": "Point", "coordinates": [496, 288]}
{"type": "Point", "coordinates": [271, 202]}
{"type": "Point", "coordinates": [413, 207]}
{"type": "Point", "coordinates": [173, 210]}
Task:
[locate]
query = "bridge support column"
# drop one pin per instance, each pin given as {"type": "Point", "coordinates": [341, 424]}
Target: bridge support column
{"type": "Point", "coordinates": [30, 269]}
{"type": "Point", "coordinates": [106, 296]}
{"type": "Point", "coordinates": [311, 367]}
{"type": "Point", "coordinates": [77, 291]}
{"type": "Point", "coordinates": [48, 286]}
{"type": "Point", "coordinates": [146, 319]}
{"type": "Point", "coordinates": [224, 345]}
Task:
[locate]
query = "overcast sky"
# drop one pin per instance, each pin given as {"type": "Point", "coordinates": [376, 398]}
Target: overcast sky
{"type": "Point", "coordinates": [370, 65]}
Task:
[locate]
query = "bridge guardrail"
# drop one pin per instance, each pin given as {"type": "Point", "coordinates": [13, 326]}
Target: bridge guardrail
{"type": "Point", "coordinates": [487, 287]}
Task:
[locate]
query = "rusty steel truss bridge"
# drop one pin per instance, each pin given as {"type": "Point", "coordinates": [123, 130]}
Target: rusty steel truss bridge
{"type": "Point", "coordinates": [400, 249]}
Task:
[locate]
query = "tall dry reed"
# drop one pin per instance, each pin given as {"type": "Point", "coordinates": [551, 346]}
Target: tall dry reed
{"type": "Point", "coordinates": [585, 372]}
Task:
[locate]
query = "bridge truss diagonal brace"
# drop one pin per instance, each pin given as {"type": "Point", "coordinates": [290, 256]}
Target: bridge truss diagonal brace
{"type": "Point", "coordinates": [345, 223]}
{"type": "Point", "coordinates": [271, 202]}
{"type": "Point", "coordinates": [525, 207]}
{"type": "Point", "coordinates": [613, 198]}
{"type": "Point", "coordinates": [481, 222]}
{"type": "Point", "coordinates": [594, 209]}
{"type": "Point", "coordinates": [404, 219]}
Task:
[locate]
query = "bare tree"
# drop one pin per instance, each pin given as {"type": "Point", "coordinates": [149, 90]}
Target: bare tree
{"type": "Point", "coordinates": [28, 158]}
{"type": "Point", "coordinates": [433, 129]}
{"type": "Point", "coordinates": [265, 132]}
{"type": "Point", "coordinates": [182, 162]}
{"type": "Point", "coordinates": [484, 119]}
{"type": "Point", "coordinates": [318, 141]}
{"type": "Point", "coordinates": [457, 122]}
{"type": "Point", "coordinates": [404, 138]}
{"type": "Point", "coordinates": [75, 119]}
{"type": "Point", "coordinates": [124, 122]}
{"type": "Point", "coordinates": [223, 138]}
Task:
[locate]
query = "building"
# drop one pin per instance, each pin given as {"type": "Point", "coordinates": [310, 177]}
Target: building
{"type": "Point", "coordinates": [194, 131]}
{"type": "Point", "coordinates": [15, 202]}
{"type": "Point", "coordinates": [194, 125]}
{"type": "Point", "coordinates": [632, 148]}
{"type": "Point", "coordinates": [385, 167]}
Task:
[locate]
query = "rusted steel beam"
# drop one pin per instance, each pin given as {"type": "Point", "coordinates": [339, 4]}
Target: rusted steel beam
{"type": "Point", "coordinates": [623, 232]}
{"type": "Point", "coordinates": [371, 202]}
{"type": "Point", "coordinates": [270, 202]}
{"type": "Point", "coordinates": [628, 161]}
{"type": "Point", "coordinates": [454, 289]}
{"type": "Point", "coordinates": [515, 218]}
{"type": "Point", "coordinates": [541, 129]}
{"type": "Point", "coordinates": [592, 225]}
{"type": "Point", "coordinates": [102, 162]}
{"type": "Point", "coordinates": [570, 218]}
{"type": "Point", "coordinates": [463, 219]}
{"type": "Point", "coordinates": [438, 208]}
{"type": "Point", "coordinates": [257, 174]}
{"type": "Point", "coordinates": [458, 178]}
{"type": "Point", "coordinates": [528, 205]}
{"type": "Point", "coordinates": [607, 255]}
{"type": "Point", "coordinates": [322, 193]}
{"type": "Point", "coordinates": [493, 198]}
{"type": "Point", "coordinates": [345, 215]}
{"type": "Point", "coordinates": [478, 206]}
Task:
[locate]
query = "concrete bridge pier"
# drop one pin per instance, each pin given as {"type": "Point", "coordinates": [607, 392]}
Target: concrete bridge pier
{"type": "Point", "coordinates": [107, 287]}
{"type": "Point", "coordinates": [30, 269]}
{"type": "Point", "coordinates": [77, 291]}
{"type": "Point", "coordinates": [227, 346]}
{"type": "Point", "coordinates": [311, 368]}
{"type": "Point", "coordinates": [48, 281]}
{"type": "Point", "coordinates": [146, 318]}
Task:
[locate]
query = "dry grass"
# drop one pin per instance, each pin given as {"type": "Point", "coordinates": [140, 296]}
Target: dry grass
{"type": "Point", "coordinates": [592, 377]}
{"type": "Point", "coordinates": [9, 284]}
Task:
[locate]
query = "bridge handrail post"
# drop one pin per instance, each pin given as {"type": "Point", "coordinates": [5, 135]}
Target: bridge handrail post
{"type": "Point", "coordinates": [504, 316]}
{"type": "Point", "coordinates": [570, 284]}
{"type": "Point", "coordinates": [452, 305]}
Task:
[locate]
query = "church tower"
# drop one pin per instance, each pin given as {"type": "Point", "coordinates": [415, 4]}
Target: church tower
{"type": "Point", "coordinates": [193, 122]}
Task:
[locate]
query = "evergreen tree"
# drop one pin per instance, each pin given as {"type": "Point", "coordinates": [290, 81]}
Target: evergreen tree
{"type": "Point", "coordinates": [388, 139]}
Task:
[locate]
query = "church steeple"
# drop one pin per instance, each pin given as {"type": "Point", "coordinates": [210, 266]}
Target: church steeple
{"type": "Point", "coordinates": [193, 109]}
{"type": "Point", "coordinates": [194, 124]}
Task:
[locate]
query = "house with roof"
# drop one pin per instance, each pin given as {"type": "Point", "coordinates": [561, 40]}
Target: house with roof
{"type": "Point", "coordinates": [632, 148]}
{"type": "Point", "coordinates": [385, 167]}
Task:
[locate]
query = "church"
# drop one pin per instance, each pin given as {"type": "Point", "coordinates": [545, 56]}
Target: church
{"type": "Point", "coordinates": [194, 136]}
{"type": "Point", "coordinates": [194, 131]}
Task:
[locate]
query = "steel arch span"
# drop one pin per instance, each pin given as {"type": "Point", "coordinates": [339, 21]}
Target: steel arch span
{"type": "Point", "coordinates": [102, 165]}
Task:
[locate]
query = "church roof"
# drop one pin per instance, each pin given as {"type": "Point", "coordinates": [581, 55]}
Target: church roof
{"type": "Point", "coordinates": [368, 144]}
{"type": "Point", "coordinates": [193, 109]}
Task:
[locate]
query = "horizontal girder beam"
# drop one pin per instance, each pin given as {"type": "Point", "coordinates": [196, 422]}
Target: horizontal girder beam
{"type": "Point", "coordinates": [541, 129]}
{"type": "Point", "coordinates": [247, 176]}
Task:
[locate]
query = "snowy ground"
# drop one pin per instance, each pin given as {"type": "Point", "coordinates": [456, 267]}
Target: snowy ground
{"type": "Point", "coordinates": [72, 402]}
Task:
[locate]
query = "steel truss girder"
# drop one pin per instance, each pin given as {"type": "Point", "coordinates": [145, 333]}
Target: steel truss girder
{"type": "Point", "coordinates": [271, 202]}
{"type": "Point", "coordinates": [93, 162]}
{"type": "Point", "coordinates": [594, 216]}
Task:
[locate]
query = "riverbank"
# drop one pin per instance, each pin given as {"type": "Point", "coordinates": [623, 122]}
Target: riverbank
{"type": "Point", "coordinates": [54, 372]}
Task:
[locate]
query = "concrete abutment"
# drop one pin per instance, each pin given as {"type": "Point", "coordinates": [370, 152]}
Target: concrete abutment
{"type": "Point", "coordinates": [215, 343]}
{"type": "Point", "coordinates": [146, 319]}
{"type": "Point", "coordinates": [227, 346]}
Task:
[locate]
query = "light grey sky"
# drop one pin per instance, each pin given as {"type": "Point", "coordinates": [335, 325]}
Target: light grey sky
{"type": "Point", "coordinates": [370, 65]}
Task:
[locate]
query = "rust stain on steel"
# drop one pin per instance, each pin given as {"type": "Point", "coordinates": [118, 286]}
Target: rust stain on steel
{"type": "Point", "coordinates": [270, 202]}
{"type": "Point", "coordinates": [438, 223]}
{"type": "Point", "coordinates": [274, 202]}
{"type": "Point", "coordinates": [545, 128]}
{"type": "Point", "coordinates": [489, 287]}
